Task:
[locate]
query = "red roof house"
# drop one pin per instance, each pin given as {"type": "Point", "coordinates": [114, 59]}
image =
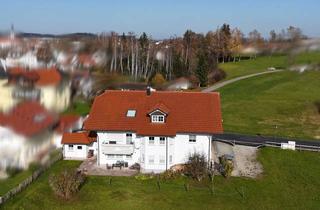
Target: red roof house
{"type": "Point", "coordinates": [186, 112]}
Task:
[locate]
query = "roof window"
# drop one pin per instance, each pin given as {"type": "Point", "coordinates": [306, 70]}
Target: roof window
{"type": "Point", "coordinates": [131, 113]}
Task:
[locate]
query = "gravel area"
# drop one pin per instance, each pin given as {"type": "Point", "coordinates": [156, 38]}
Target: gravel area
{"type": "Point", "coordinates": [246, 163]}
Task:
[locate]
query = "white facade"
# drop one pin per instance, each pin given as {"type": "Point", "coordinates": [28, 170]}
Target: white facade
{"type": "Point", "coordinates": [19, 151]}
{"type": "Point", "coordinates": [78, 151]}
{"type": "Point", "coordinates": [154, 154]}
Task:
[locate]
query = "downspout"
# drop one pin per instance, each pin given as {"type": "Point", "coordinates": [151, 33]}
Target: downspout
{"type": "Point", "coordinates": [209, 152]}
{"type": "Point", "coordinates": [98, 153]}
{"type": "Point", "coordinates": [166, 153]}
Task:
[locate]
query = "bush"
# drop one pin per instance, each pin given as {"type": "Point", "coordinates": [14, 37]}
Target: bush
{"type": "Point", "coordinates": [227, 167]}
{"type": "Point", "coordinates": [216, 76]}
{"type": "Point", "coordinates": [317, 104]}
{"type": "Point", "coordinates": [170, 174]}
{"type": "Point", "coordinates": [12, 171]}
{"type": "Point", "coordinates": [144, 177]}
{"type": "Point", "coordinates": [158, 80]}
{"type": "Point", "coordinates": [67, 183]}
{"type": "Point", "coordinates": [197, 166]}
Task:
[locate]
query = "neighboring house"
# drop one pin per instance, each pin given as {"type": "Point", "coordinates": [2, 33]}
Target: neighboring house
{"type": "Point", "coordinates": [68, 123]}
{"type": "Point", "coordinates": [153, 128]}
{"type": "Point", "coordinates": [28, 60]}
{"type": "Point", "coordinates": [25, 135]}
{"type": "Point", "coordinates": [79, 145]}
{"type": "Point", "coordinates": [181, 83]}
{"type": "Point", "coordinates": [47, 86]}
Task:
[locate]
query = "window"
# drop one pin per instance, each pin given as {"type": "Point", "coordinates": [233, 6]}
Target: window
{"type": "Point", "coordinates": [112, 142]}
{"type": "Point", "coordinates": [162, 140]}
{"type": "Point", "coordinates": [170, 159]}
{"type": "Point", "coordinates": [192, 139]}
{"type": "Point", "coordinates": [157, 118]}
{"type": "Point", "coordinates": [119, 156]}
{"type": "Point", "coordinates": [129, 138]}
{"type": "Point", "coordinates": [128, 156]}
{"type": "Point", "coordinates": [162, 159]}
{"type": "Point", "coordinates": [79, 147]}
{"type": "Point", "coordinates": [151, 159]}
{"type": "Point", "coordinates": [70, 147]}
{"type": "Point", "coordinates": [131, 113]}
{"type": "Point", "coordinates": [151, 140]}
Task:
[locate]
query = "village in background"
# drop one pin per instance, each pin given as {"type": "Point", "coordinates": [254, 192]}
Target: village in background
{"type": "Point", "coordinates": [48, 82]}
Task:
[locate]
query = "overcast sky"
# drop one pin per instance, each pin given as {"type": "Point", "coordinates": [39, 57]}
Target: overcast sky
{"type": "Point", "coordinates": [161, 19]}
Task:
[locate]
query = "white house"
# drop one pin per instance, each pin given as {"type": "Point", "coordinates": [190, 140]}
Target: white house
{"type": "Point", "coordinates": [79, 145]}
{"type": "Point", "coordinates": [25, 135]}
{"type": "Point", "coordinates": [156, 129]}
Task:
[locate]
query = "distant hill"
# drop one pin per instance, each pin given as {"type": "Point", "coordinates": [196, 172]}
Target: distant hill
{"type": "Point", "coordinates": [71, 35]}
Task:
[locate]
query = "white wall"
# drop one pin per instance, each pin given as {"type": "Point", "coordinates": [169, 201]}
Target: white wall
{"type": "Point", "coordinates": [175, 150]}
{"type": "Point", "coordinates": [120, 138]}
{"type": "Point", "coordinates": [75, 153]}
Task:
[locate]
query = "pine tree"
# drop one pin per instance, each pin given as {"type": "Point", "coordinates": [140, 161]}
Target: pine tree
{"type": "Point", "coordinates": [202, 69]}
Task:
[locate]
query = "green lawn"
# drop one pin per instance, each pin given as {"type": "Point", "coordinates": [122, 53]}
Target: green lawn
{"type": "Point", "coordinates": [261, 63]}
{"type": "Point", "coordinates": [290, 181]}
{"type": "Point", "coordinates": [9, 183]}
{"type": "Point", "coordinates": [279, 104]}
{"type": "Point", "coordinates": [79, 107]}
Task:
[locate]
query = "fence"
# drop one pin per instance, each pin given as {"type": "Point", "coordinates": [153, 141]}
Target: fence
{"type": "Point", "coordinates": [260, 141]}
{"type": "Point", "coordinates": [25, 183]}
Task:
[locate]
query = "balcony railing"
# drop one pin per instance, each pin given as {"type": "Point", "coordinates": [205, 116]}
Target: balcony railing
{"type": "Point", "coordinates": [117, 149]}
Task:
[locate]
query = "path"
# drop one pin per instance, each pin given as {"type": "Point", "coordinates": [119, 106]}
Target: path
{"type": "Point", "coordinates": [221, 84]}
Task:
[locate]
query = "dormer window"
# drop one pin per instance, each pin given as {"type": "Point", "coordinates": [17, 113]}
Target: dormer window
{"type": "Point", "coordinates": [157, 118]}
{"type": "Point", "coordinates": [158, 113]}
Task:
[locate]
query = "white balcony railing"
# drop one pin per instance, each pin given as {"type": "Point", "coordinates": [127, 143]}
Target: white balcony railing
{"type": "Point", "coordinates": [117, 149]}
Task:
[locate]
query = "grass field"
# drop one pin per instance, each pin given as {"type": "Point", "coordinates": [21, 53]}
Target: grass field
{"type": "Point", "coordinates": [280, 104]}
{"type": "Point", "coordinates": [79, 108]}
{"type": "Point", "coordinates": [260, 64]}
{"type": "Point", "coordinates": [291, 181]}
{"type": "Point", "coordinates": [9, 183]}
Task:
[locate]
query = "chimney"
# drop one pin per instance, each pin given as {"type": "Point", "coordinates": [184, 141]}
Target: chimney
{"type": "Point", "coordinates": [148, 91]}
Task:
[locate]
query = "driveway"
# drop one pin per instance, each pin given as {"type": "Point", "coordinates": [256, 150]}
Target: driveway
{"type": "Point", "coordinates": [224, 83]}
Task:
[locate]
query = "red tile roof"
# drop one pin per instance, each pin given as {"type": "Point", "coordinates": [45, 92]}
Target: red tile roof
{"type": "Point", "coordinates": [41, 77]}
{"type": "Point", "coordinates": [190, 112]}
{"type": "Point", "coordinates": [27, 119]}
{"type": "Point", "coordinates": [77, 138]}
{"type": "Point", "coordinates": [66, 122]}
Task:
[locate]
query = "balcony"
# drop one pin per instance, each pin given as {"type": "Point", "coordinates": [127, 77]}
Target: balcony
{"type": "Point", "coordinates": [117, 149]}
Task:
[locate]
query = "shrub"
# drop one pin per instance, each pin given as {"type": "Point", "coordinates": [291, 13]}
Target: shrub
{"type": "Point", "coordinates": [144, 177]}
{"type": "Point", "coordinates": [67, 183]}
{"type": "Point", "coordinates": [170, 174]}
{"type": "Point", "coordinates": [158, 80]}
{"type": "Point", "coordinates": [12, 171]}
{"type": "Point", "coordinates": [227, 166]}
{"type": "Point", "coordinates": [216, 75]}
{"type": "Point", "coordinates": [197, 166]}
{"type": "Point", "coordinates": [317, 104]}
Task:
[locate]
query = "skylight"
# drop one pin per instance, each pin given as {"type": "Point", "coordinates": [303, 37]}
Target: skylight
{"type": "Point", "coordinates": [131, 113]}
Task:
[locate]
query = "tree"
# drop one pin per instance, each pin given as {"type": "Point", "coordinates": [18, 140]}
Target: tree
{"type": "Point", "coordinates": [158, 80]}
{"type": "Point", "coordinates": [197, 166]}
{"type": "Point", "coordinates": [236, 43]}
{"type": "Point", "coordinates": [202, 69]}
{"type": "Point", "coordinates": [67, 183]}
{"type": "Point", "coordinates": [273, 36]}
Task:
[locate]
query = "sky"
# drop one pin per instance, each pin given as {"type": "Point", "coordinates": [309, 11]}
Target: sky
{"type": "Point", "coordinates": [161, 18]}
